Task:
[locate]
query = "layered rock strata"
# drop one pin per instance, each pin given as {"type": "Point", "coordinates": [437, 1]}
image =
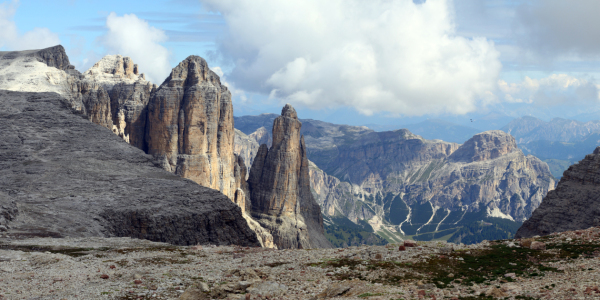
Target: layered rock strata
{"type": "Point", "coordinates": [279, 186]}
{"type": "Point", "coordinates": [190, 127]}
{"type": "Point", "coordinates": [62, 176]}
{"type": "Point", "coordinates": [573, 205]}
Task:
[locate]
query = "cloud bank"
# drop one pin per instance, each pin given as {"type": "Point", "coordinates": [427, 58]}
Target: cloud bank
{"type": "Point", "coordinates": [131, 36]}
{"type": "Point", "coordinates": [373, 55]}
{"type": "Point", "coordinates": [560, 28]}
{"type": "Point", "coordinates": [556, 89]}
{"type": "Point", "coordinates": [10, 38]}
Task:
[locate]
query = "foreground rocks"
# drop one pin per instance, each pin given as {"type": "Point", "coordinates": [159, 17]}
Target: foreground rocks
{"type": "Point", "coordinates": [123, 268]}
{"type": "Point", "coordinates": [63, 176]}
{"type": "Point", "coordinates": [573, 204]}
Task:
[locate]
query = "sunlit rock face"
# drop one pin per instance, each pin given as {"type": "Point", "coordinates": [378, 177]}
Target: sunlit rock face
{"type": "Point", "coordinates": [190, 127]}
{"type": "Point", "coordinates": [279, 186]}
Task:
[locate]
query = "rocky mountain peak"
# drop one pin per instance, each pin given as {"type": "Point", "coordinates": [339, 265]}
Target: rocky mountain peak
{"type": "Point", "coordinates": [289, 112]}
{"type": "Point", "coordinates": [114, 69]}
{"type": "Point", "coordinates": [192, 71]}
{"type": "Point", "coordinates": [190, 127]}
{"type": "Point", "coordinates": [279, 186]}
{"type": "Point", "coordinates": [485, 146]}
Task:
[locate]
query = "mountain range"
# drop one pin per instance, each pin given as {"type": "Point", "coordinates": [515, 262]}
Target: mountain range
{"type": "Point", "coordinates": [279, 180]}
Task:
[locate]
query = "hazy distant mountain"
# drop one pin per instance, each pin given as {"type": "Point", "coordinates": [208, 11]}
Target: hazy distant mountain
{"type": "Point", "coordinates": [527, 129]}
{"type": "Point", "coordinates": [588, 116]}
{"type": "Point", "coordinates": [559, 143]}
{"type": "Point", "coordinates": [442, 130]}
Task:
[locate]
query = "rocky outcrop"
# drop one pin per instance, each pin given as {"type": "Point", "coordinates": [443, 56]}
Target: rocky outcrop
{"type": "Point", "coordinates": [484, 146]}
{"type": "Point", "coordinates": [246, 147]}
{"type": "Point", "coordinates": [262, 136]}
{"type": "Point", "coordinates": [573, 205]}
{"type": "Point", "coordinates": [61, 175]}
{"type": "Point", "coordinates": [190, 127]}
{"type": "Point", "coordinates": [280, 188]}
{"type": "Point", "coordinates": [126, 97]}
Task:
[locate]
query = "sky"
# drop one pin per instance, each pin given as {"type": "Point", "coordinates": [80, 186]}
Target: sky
{"type": "Point", "coordinates": [353, 62]}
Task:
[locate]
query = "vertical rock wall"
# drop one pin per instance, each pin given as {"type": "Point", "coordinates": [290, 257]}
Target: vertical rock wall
{"type": "Point", "coordinates": [279, 187]}
{"type": "Point", "coordinates": [190, 127]}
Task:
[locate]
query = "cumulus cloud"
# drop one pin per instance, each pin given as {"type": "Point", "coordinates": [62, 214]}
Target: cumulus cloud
{"type": "Point", "coordinates": [10, 38]}
{"type": "Point", "coordinates": [131, 36]}
{"type": "Point", "coordinates": [560, 28]}
{"type": "Point", "coordinates": [555, 89]}
{"type": "Point", "coordinates": [373, 55]}
{"type": "Point", "coordinates": [235, 93]}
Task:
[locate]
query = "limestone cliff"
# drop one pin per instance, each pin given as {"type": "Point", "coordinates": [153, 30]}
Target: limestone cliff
{"type": "Point", "coordinates": [572, 205]}
{"type": "Point", "coordinates": [280, 188]}
{"type": "Point", "coordinates": [190, 127]}
{"type": "Point", "coordinates": [127, 93]}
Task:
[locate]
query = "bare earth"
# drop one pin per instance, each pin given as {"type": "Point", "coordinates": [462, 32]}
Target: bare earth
{"type": "Point", "coordinates": [124, 268]}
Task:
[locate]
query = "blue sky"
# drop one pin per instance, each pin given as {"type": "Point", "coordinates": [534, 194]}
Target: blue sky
{"type": "Point", "coordinates": [354, 62]}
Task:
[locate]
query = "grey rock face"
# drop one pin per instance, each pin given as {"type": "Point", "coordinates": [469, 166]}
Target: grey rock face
{"type": "Point", "coordinates": [53, 56]}
{"type": "Point", "coordinates": [280, 188]}
{"type": "Point", "coordinates": [484, 146]}
{"type": "Point", "coordinates": [61, 175]}
{"type": "Point", "coordinates": [572, 205]}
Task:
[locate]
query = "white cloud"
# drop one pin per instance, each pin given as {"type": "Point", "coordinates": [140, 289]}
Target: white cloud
{"type": "Point", "coordinates": [10, 38]}
{"type": "Point", "coordinates": [131, 36]}
{"type": "Point", "coordinates": [235, 93]}
{"type": "Point", "coordinates": [373, 55]}
{"type": "Point", "coordinates": [555, 89]}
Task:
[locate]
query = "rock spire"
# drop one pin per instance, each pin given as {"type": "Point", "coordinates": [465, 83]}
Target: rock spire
{"type": "Point", "coordinates": [279, 185]}
{"type": "Point", "coordinates": [190, 128]}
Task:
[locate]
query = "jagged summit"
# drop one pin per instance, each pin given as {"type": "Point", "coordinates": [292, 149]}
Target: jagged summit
{"type": "Point", "coordinates": [114, 69]}
{"type": "Point", "coordinates": [192, 71]}
{"type": "Point", "coordinates": [289, 112]}
{"type": "Point", "coordinates": [279, 186]}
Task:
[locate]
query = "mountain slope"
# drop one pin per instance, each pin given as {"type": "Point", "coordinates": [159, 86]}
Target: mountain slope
{"type": "Point", "coordinates": [63, 176]}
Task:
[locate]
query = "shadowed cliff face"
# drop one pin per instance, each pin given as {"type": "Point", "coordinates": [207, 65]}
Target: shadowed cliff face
{"type": "Point", "coordinates": [280, 188]}
{"type": "Point", "coordinates": [573, 205]}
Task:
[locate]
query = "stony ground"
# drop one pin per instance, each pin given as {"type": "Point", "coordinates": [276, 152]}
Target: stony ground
{"type": "Point", "coordinates": [560, 266]}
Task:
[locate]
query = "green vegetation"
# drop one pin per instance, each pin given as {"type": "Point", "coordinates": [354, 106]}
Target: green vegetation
{"type": "Point", "coordinates": [420, 214]}
{"type": "Point", "coordinates": [477, 231]}
{"type": "Point", "coordinates": [467, 268]}
{"type": "Point", "coordinates": [456, 226]}
{"type": "Point", "coordinates": [342, 232]}
{"type": "Point", "coordinates": [558, 166]}
{"type": "Point", "coordinates": [398, 211]}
